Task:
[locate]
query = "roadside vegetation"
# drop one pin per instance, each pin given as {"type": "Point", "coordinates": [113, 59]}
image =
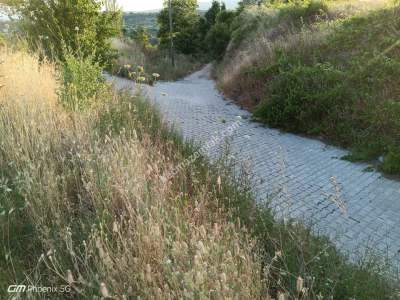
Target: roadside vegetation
{"type": "Point", "coordinates": [87, 199]}
{"type": "Point", "coordinates": [84, 201]}
{"type": "Point", "coordinates": [198, 38]}
{"type": "Point", "coordinates": [324, 68]}
{"type": "Point", "coordinates": [133, 53]}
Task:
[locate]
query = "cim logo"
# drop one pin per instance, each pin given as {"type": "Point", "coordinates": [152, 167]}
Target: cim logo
{"type": "Point", "coordinates": [21, 288]}
{"type": "Point", "coordinates": [16, 288]}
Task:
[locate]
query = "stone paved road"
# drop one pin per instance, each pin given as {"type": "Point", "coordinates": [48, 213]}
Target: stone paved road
{"type": "Point", "coordinates": [303, 178]}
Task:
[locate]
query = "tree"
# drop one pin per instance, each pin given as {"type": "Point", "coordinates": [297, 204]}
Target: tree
{"type": "Point", "coordinates": [185, 20]}
{"type": "Point", "coordinates": [141, 36]}
{"type": "Point", "coordinates": [211, 15]}
{"type": "Point", "coordinates": [219, 35]}
{"type": "Point", "coordinates": [208, 21]}
{"type": "Point", "coordinates": [171, 30]}
{"type": "Point", "coordinates": [79, 27]}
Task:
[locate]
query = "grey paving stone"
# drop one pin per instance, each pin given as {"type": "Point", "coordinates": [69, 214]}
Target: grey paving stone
{"type": "Point", "coordinates": [303, 178]}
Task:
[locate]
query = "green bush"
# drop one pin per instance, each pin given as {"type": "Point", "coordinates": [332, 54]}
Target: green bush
{"type": "Point", "coordinates": [82, 82]}
{"type": "Point", "coordinates": [218, 39]}
{"type": "Point", "coordinates": [246, 23]}
{"type": "Point", "coordinates": [81, 26]}
{"type": "Point", "coordinates": [219, 35]}
{"type": "Point", "coordinates": [391, 163]}
{"type": "Point", "coordinates": [301, 11]}
{"type": "Point", "coordinates": [303, 98]}
{"type": "Point", "coordinates": [2, 39]}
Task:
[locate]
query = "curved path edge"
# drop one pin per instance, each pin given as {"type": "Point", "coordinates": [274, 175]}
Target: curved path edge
{"type": "Point", "coordinates": [302, 178]}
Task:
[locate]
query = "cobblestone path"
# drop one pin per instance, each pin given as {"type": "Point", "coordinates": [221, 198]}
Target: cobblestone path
{"type": "Point", "coordinates": [303, 178]}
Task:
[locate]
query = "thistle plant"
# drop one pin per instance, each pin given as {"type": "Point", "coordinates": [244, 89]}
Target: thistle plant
{"type": "Point", "coordinates": [140, 76]}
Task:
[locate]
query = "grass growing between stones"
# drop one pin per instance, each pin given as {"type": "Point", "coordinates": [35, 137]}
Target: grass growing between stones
{"type": "Point", "coordinates": [86, 201]}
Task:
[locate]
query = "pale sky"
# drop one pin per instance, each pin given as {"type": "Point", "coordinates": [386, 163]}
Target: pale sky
{"type": "Point", "coordinates": [140, 5]}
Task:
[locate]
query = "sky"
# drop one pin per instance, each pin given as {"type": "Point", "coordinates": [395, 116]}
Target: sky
{"type": "Point", "coordinates": [140, 5]}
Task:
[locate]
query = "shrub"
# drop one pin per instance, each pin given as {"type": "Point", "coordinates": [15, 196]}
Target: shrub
{"type": "Point", "coordinates": [82, 82]}
{"type": "Point", "coordinates": [303, 98]}
{"type": "Point", "coordinates": [142, 37]}
{"type": "Point", "coordinates": [80, 26]}
{"type": "Point", "coordinates": [298, 12]}
{"type": "Point", "coordinates": [217, 40]}
{"type": "Point", "coordinates": [391, 163]}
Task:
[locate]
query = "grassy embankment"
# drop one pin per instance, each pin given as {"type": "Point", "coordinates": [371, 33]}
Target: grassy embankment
{"type": "Point", "coordinates": [328, 69]}
{"type": "Point", "coordinates": [85, 200]}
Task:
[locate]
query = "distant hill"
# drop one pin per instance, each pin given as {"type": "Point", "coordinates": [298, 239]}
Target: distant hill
{"type": "Point", "coordinates": [230, 4]}
{"type": "Point", "coordinates": [132, 20]}
{"type": "Point", "coordinates": [150, 11]}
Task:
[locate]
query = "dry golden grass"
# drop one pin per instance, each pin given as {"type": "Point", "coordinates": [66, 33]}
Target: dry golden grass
{"type": "Point", "coordinates": [108, 223]}
{"type": "Point", "coordinates": [23, 80]}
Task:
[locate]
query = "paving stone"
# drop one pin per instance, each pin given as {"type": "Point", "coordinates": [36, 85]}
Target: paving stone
{"type": "Point", "coordinates": [358, 210]}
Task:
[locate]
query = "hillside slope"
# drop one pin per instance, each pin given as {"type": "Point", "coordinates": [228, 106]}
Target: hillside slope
{"type": "Point", "coordinates": [328, 69]}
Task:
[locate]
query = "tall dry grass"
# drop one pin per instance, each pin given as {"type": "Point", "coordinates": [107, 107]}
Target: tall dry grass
{"type": "Point", "coordinates": [104, 220]}
{"type": "Point", "coordinates": [25, 82]}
